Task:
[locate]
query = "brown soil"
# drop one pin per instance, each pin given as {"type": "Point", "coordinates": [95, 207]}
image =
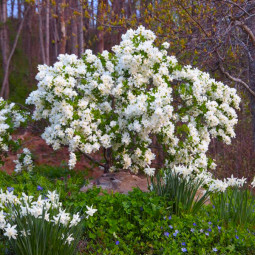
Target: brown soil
{"type": "Point", "coordinates": [45, 155]}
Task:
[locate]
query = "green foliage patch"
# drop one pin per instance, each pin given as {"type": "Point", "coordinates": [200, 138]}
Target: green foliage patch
{"type": "Point", "coordinates": [136, 223]}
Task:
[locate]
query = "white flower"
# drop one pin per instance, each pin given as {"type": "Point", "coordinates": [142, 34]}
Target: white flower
{"type": "Point", "coordinates": [76, 219]}
{"type": "Point", "coordinates": [25, 232]}
{"type": "Point", "coordinates": [235, 181]}
{"type": "Point", "coordinates": [10, 231]}
{"type": "Point", "coordinates": [72, 160]}
{"type": "Point", "coordinates": [149, 171]}
{"type": "Point", "coordinates": [24, 161]}
{"type": "Point", "coordinates": [218, 186]}
{"type": "Point", "coordinates": [90, 211]}
{"type": "Point", "coordinates": [9, 113]}
{"type": "Point", "coordinates": [166, 45]}
{"type": "Point", "coordinates": [69, 239]}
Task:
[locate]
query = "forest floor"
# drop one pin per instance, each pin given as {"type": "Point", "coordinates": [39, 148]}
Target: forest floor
{"type": "Point", "coordinates": [44, 155]}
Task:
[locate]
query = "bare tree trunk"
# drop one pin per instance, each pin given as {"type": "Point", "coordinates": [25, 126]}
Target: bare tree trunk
{"type": "Point", "coordinates": [62, 49]}
{"type": "Point", "coordinates": [12, 7]}
{"type": "Point", "coordinates": [92, 14]}
{"type": "Point", "coordinates": [117, 7]}
{"type": "Point", "coordinates": [251, 46]}
{"type": "Point", "coordinates": [100, 20]}
{"type": "Point", "coordinates": [80, 28]}
{"type": "Point", "coordinates": [129, 9]}
{"type": "Point", "coordinates": [47, 32]}
{"type": "Point", "coordinates": [28, 35]}
{"type": "Point", "coordinates": [74, 31]}
{"type": "Point", "coordinates": [56, 36]}
{"type": "Point", "coordinates": [5, 86]}
{"type": "Point", "coordinates": [41, 31]}
{"type": "Point", "coordinates": [5, 49]}
{"type": "Point", "coordinates": [19, 9]}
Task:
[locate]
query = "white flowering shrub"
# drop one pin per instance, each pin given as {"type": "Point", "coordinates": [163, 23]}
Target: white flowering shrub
{"type": "Point", "coordinates": [121, 101]}
{"type": "Point", "coordinates": [24, 161]}
{"type": "Point", "coordinates": [39, 226]}
{"type": "Point", "coordinates": [11, 117]}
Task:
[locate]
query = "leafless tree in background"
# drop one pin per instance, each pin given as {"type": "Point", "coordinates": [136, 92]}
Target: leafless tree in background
{"type": "Point", "coordinates": [217, 36]}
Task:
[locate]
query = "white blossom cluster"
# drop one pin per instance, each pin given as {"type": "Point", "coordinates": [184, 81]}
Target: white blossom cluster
{"type": "Point", "coordinates": [10, 119]}
{"type": "Point", "coordinates": [214, 185]}
{"type": "Point", "coordinates": [122, 100]}
{"type": "Point", "coordinates": [49, 209]}
{"type": "Point", "coordinates": [24, 161]}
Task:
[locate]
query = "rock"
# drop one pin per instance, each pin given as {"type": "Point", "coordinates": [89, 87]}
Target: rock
{"type": "Point", "coordinates": [85, 188]}
{"type": "Point", "coordinates": [121, 182]}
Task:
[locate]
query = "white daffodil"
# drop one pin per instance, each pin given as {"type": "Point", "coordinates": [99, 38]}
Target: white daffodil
{"type": "Point", "coordinates": [90, 211]}
{"type": "Point", "coordinates": [10, 231]}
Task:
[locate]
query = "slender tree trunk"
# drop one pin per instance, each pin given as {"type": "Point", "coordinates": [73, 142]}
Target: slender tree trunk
{"type": "Point", "coordinates": [100, 20]}
{"type": "Point", "coordinates": [19, 9]}
{"type": "Point", "coordinates": [41, 32]}
{"type": "Point", "coordinates": [251, 46]}
{"type": "Point", "coordinates": [92, 14]}
{"type": "Point", "coordinates": [80, 28]}
{"type": "Point", "coordinates": [47, 33]}
{"type": "Point", "coordinates": [117, 7]}
{"type": "Point", "coordinates": [12, 7]}
{"type": "Point", "coordinates": [74, 35]}
{"type": "Point", "coordinates": [5, 49]}
{"type": "Point", "coordinates": [56, 39]}
{"type": "Point", "coordinates": [56, 36]}
{"type": "Point", "coordinates": [62, 49]}
{"type": "Point", "coordinates": [5, 86]}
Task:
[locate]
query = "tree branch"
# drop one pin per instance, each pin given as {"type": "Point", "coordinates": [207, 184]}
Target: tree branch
{"type": "Point", "coordinates": [238, 6]}
{"type": "Point", "coordinates": [248, 31]}
{"type": "Point", "coordinates": [93, 160]}
{"type": "Point", "coordinates": [236, 79]}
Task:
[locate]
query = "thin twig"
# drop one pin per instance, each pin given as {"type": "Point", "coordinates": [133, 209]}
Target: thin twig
{"type": "Point", "coordinates": [236, 79]}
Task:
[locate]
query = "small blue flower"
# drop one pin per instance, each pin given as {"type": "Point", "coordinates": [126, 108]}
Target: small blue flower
{"type": "Point", "coordinates": [184, 249]}
{"type": "Point", "coordinates": [161, 227]}
{"type": "Point", "coordinates": [170, 226]}
{"type": "Point", "coordinates": [141, 208]}
{"type": "Point", "coordinates": [210, 223]}
{"type": "Point", "coordinates": [183, 244]}
{"type": "Point", "coordinates": [166, 234]}
{"type": "Point", "coordinates": [10, 189]}
{"type": "Point", "coordinates": [117, 242]}
{"type": "Point", "coordinates": [39, 188]}
{"type": "Point", "coordinates": [213, 206]}
{"type": "Point", "coordinates": [170, 217]}
{"type": "Point", "coordinates": [237, 237]}
{"type": "Point", "coordinates": [175, 233]}
{"type": "Point", "coordinates": [219, 228]}
{"type": "Point", "coordinates": [194, 224]}
{"type": "Point", "coordinates": [192, 230]}
{"type": "Point", "coordinates": [209, 229]}
{"type": "Point", "coordinates": [214, 249]}
{"type": "Point", "coordinates": [207, 234]}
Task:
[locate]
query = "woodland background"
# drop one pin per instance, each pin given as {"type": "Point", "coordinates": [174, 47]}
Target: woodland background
{"type": "Point", "coordinates": [217, 36]}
